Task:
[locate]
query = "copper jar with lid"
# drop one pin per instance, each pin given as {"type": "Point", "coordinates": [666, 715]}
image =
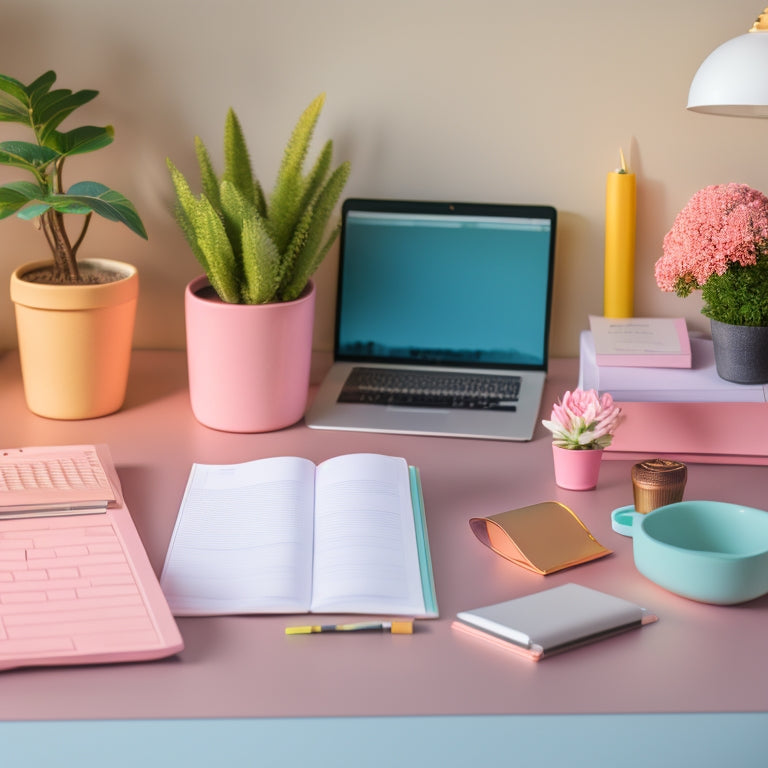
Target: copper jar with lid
{"type": "Point", "coordinates": [656, 482]}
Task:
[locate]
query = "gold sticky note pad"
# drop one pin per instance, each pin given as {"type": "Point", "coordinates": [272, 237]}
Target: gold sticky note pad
{"type": "Point", "coordinates": [543, 538]}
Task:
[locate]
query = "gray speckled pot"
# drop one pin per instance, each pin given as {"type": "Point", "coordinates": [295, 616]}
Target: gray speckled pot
{"type": "Point", "coordinates": [741, 352]}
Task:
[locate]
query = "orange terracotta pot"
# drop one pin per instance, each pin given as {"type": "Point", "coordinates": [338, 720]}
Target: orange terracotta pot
{"type": "Point", "coordinates": [248, 364]}
{"type": "Point", "coordinates": [75, 342]}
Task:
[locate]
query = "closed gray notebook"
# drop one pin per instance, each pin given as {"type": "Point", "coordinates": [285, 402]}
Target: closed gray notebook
{"type": "Point", "coordinates": [554, 620]}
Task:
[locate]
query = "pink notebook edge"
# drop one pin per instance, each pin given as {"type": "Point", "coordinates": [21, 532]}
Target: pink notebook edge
{"type": "Point", "coordinates": [505, 645]}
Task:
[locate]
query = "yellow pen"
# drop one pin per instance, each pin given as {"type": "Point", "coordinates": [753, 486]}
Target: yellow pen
{"type": "Point", "coordinates": [403, 627]}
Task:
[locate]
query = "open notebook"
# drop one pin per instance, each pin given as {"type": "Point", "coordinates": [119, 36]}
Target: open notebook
{"type": "Point", "coordinates": [76, 586]}
{"type": "Point", "coordinates": [284, 535]}
{"type": "Point", "coordinates": [458, 292]}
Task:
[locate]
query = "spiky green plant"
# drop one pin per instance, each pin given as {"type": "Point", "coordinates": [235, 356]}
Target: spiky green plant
{"type": "Point", "coordinates": [43, 198]}
{"type": "Point", "coordinates": [255, 250]}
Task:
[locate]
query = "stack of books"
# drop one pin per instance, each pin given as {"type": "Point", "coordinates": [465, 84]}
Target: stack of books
{"type": "Point", "coordinates": [675, 405]}
{"type": "Point", "coordinates": [644, 382]}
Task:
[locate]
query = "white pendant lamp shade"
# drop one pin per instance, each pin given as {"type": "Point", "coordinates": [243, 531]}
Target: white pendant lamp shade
{"type": "Point", "coordinates": [733, 79]}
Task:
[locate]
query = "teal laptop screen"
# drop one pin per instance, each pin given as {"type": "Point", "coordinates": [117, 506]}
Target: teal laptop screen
{"type": "Point", "coordinates": [451, 284]}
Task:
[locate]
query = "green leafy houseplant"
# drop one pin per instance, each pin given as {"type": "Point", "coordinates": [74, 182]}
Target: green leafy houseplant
{"type": "Point", "coordinates": [254, 250]}
{"type": "Point", "coordinates": [44, 198]}
{"type": "Point", "coordinates": [740, 295]}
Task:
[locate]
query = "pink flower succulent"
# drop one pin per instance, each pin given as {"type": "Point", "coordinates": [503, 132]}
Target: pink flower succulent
{"type": "Point", "coordinates": [581, 420]}
{"type": "Point", "coordinates": [721, 225]}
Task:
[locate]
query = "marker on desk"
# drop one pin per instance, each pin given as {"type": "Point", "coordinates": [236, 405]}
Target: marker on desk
{"type": "Point", "coordinates": [403, 627]}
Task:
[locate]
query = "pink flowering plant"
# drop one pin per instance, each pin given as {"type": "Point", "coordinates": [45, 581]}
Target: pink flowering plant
{"type": "Point", "coordinates": [583, 421]}
{"type": "Point", "coordinates": [719, 244]}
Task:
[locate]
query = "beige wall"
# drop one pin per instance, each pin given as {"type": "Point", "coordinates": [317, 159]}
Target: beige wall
{"type": "Point", "coordinates": [493, 100]}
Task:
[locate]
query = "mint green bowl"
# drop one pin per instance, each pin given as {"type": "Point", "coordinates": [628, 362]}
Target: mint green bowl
{"type": "Point", "coordinates": [709, 551]}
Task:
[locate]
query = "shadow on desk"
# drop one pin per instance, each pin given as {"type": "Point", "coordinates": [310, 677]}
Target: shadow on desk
{"type": "Point", "coordinates": [154, 375]}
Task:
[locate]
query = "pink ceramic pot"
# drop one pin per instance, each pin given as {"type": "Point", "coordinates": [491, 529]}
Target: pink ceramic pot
{"type": "Point", "coordinates": [576, 470]}
{"type": "Point", "coordinates": [248, 364]}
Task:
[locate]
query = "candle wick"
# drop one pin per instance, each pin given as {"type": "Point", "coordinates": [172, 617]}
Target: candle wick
{"type": "Point", "coordinates": [623, 168]}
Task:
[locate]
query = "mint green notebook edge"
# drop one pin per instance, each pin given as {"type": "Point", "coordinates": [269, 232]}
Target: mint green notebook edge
{"type": "Point", "coordinates": [422, 544]}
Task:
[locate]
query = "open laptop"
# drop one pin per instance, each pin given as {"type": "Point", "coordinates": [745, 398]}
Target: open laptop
{"type": "Point", "coordinates": [461, 290]}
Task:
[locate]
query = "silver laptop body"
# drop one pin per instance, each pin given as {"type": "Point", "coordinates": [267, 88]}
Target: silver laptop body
{"type": "Point", "coordinates": [459, 289]}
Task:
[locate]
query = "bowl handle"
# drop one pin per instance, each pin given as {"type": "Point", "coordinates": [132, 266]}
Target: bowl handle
{"type": "Point", "coordinates": [623, 518]}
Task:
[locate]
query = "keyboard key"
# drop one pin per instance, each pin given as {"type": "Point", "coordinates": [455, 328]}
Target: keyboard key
{"type": "Point", "coordinates": [66, 586]}
{"type": "Point", "coordinates": [431, 389]}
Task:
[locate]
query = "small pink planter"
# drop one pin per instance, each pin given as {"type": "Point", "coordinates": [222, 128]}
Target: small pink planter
{"type": "Point", "coordinates": [248, 364]}
{"type": "Point", "coordinates": [576, 470]}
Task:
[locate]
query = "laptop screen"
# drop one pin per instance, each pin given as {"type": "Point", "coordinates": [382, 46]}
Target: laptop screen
{"type": "Point", "coordinates": [445, 284]}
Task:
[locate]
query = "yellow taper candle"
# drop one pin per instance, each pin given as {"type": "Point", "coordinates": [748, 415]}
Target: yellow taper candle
{"type": "Point", "coordinates": [620, 226]}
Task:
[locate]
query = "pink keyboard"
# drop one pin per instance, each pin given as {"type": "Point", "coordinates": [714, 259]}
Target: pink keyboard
{"type": "Point", "coordinates": [66, 586]}
{"type": "Point", "coordinates": [74, 588]}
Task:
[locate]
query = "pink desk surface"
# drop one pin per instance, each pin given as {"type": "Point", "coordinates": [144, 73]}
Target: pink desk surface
{"type": "Point", "coordinates": [697, 658]}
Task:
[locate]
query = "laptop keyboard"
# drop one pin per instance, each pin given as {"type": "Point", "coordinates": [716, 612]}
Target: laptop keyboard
{"type": "Point", "coordinates": [66, 585]}
{"type": "Point", "coordinates": [431, 389]}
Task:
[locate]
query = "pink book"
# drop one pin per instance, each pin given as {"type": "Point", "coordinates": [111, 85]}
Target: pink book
{"type": "Point", "coordinates": [721, 433]}
{"type": "Point", "coordinates": [647, 342]}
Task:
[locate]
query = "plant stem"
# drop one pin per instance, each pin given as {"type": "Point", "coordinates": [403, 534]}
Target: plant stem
{"type": "Point", "coordinates": [80, 238]}
{"type": "Point", "coordinates": [65, 265]}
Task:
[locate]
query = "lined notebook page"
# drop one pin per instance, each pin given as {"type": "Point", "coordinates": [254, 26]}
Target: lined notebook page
{"type": "Point", "coordinates": [366, 559]}
{"type": "Point", "coordinates": [243, 539]}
